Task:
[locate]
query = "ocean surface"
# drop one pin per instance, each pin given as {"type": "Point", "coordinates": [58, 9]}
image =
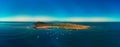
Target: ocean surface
{"type": "Point", "coordinates": [21, 34]}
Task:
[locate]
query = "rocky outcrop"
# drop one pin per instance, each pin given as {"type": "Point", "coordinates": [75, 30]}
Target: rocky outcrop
{"type": "Point", "coordinates": [42, 25]}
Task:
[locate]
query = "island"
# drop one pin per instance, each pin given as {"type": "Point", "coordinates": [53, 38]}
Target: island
{"type": "Point", "coordinates": [43, 25]}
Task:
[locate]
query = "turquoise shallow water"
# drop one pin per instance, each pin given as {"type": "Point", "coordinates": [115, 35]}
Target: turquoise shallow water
{"type": "Point", "coordinates": [20, 34]}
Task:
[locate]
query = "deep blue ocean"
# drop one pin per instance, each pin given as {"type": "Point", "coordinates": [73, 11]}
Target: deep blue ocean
{"type": "Point", "coordinates": [21, 34]}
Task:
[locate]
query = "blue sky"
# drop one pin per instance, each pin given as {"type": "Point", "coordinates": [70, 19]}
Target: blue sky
{"type": "Point", "coordinates": [59, 10]}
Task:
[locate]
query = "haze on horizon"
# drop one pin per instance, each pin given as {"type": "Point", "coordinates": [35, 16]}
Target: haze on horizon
{"type": "Point", "coordinates": [60, 10]}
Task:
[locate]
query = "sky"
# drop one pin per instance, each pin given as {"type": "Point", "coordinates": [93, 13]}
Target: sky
{"type": "Point", "coordinates": [60, 10]}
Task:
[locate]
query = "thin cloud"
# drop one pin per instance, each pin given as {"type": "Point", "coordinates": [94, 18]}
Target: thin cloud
{"type": "Point", "coordinates": [48, 18]}
{"type": "Point", "coordinates": [92, 19]}
{"type": "Point", "coordinates": [28, 18]}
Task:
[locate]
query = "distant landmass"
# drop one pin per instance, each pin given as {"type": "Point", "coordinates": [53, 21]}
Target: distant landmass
{"type": "Point", "coordinates": [43, 25]}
